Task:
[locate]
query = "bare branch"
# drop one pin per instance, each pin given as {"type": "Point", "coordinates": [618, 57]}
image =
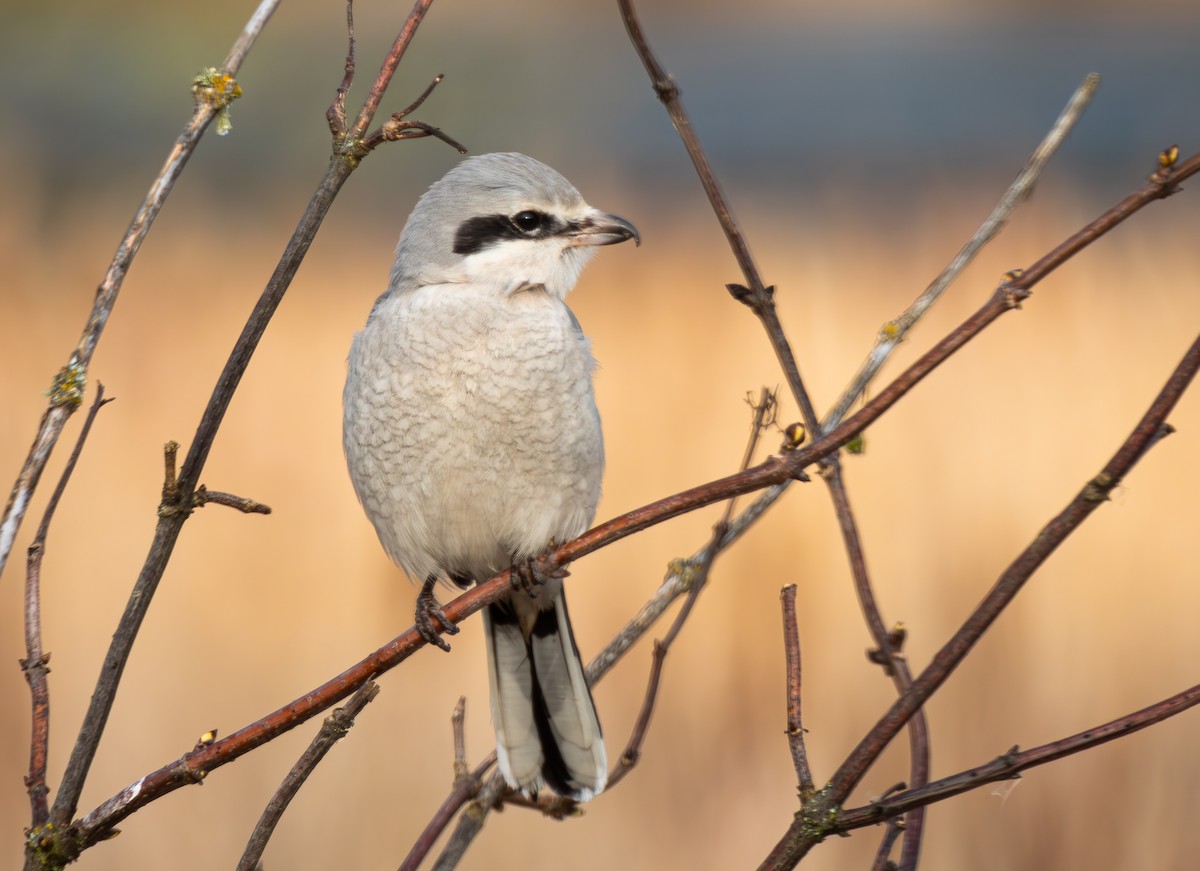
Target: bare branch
{"type": "Point", "coordinates": [772, 472]}
{"type": "Point", "coordinates": [334, 728]}
{"type": "Point", "coordinates": [759, 297]}
{"type": "Point", "coordinates": [470, 823]}
{"type": "Point", "coordinates": [894, 331]}
{"type": "Point", "coordinates": [388, 69]}
{"type": "Point", "coordinates": [887, 653]}
{"type": "Point", "coordinates": [34, 665]}
{"type": "Point", "coordinates": [1009, 765]}
{"type": "Point", "coordinates": [345, 159]}
{"type": "Point", "coordinates": [69, 385]}
{"type": "Point", "coordinates": [813, 823]}
{"type": "Point", "coordinates": [795, 723]}
{"type": "Point", "coordinates": [336, 113]}
{"type": "Point", "coordinates": [247, 506]}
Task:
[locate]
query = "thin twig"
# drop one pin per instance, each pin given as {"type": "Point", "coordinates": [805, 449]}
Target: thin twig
{"type": "Point", "coordinates": [795, 722]}
{"type": "Point", "coordinates": [891, 832]}
{"type": "Point", "coordinates": [334, 729]}
{"type": "Point", "coordinates": [36, 659]}
{"type": "Point", "coordinates": [1008, 766]}
{"type": "Point", "coordinates": [458, 728]}
{"type": "Point", "coordinates": [470, 823]}
{"type": "Point", "coordinates": [757, 295]}
{"type": "Point", "coordinates": [701, 568]}
{"type": "Point", "coordinates": [775, 470]}
{"type": "Point", "coordinates": [388, 69]}
{"type": "Point", "coordinates": [170, 525]}
{"type": "Point", "coordinates": [466, 788]}
{"type": "Point", "coordinates": [887, 653]}
{"type": "Point", "coordinates": [69, 384]}
{"type": "Point", "coordinates": [336, 113]}
{"type": "Point", "coordinates": [203, 496]}
{"type": "Point", "coordinates": [802, 835]}
{"type": "Point", "coordinates": [894, 331]}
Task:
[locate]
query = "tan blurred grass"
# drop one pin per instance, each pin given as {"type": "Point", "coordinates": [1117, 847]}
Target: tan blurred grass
{"type": "Point", "coordinates": [253, 611]}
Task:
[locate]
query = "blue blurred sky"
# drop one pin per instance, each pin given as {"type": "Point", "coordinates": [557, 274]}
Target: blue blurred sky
{"type": "Point", "coordinates": [781, 93]}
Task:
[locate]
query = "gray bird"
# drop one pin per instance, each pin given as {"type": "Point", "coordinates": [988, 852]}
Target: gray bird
{"type": "Point", "coordinates": [473, 439]}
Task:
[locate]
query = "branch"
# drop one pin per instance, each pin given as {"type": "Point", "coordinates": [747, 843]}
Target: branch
{"type": "Point", "coordinates": [344, 160]}
{"type": "Point", "coordinates": [894, 331]}
{"type": "Point", "coordinates": [795, 723]}
{"type": "Point", "coordinates": [773, 472]}
{"type": "Point", "coordinates": [887, 653]}
{"type": "Point", "coordinates": [36, 660]}
{"type": "Point", "coordinates": [812, 824]}
{"type": "Point", "coordinates": [1009, 765]}
{"type": "Point", "coordinates": [334, 728]}
{"type": "Point", "coordinates": [760, 298]}
{"type": "Point", "coordinates": [67, 391]}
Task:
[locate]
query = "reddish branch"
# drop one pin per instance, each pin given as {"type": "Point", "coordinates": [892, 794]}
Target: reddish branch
{"type": "Point", "coordinates": [795, 722]}
{"type": "Point", "coordinates": [36, 660]}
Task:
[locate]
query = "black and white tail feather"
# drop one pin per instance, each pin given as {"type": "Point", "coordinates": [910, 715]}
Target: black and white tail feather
{"type": "Point", "coordinates": [546, 726]}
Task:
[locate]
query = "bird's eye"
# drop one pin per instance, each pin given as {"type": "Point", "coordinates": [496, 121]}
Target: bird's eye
{"type": "Point", "coordinates": [528, 221]}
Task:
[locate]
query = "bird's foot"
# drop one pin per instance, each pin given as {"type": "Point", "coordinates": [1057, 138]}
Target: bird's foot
{"type": "Point", "coordinates": [530, 575]}
{"type": "Point", "coordinates": [429, 613]}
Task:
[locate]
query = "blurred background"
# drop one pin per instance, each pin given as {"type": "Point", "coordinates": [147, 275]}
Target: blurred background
{"type": "Point", "coordinates": [860, 148]}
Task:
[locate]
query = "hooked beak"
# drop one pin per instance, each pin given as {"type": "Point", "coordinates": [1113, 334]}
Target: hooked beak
{"type": "Point", "coordinates": [602, 228]}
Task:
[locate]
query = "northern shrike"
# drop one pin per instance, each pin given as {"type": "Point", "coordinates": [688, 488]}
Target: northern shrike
{"type": "Point", "coordinates": [473, 439]}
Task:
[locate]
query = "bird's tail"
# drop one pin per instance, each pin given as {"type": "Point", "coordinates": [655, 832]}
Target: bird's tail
{"type": "Point", "coordinates": [546, 725]}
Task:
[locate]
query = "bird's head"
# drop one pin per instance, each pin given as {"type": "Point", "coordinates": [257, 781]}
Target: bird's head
{"type": "Point", "coordinates": [505, 221]}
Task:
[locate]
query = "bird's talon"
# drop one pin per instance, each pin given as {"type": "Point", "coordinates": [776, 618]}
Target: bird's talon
{"type": "Point", "coordinates": [428, 610]}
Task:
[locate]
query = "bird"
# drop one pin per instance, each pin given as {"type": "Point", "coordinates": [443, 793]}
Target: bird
{"type": "Point", "coordinates": [474, 443]}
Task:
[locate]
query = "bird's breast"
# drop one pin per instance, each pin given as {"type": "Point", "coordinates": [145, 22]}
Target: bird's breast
{"type": "Point", "coordinates": [471, 428]}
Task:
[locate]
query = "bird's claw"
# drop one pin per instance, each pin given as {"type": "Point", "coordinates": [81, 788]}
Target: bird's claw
{"type": "Point", "coordinates": [428, 611]}
{"type": "Point", "coordinates": [529, 576]}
